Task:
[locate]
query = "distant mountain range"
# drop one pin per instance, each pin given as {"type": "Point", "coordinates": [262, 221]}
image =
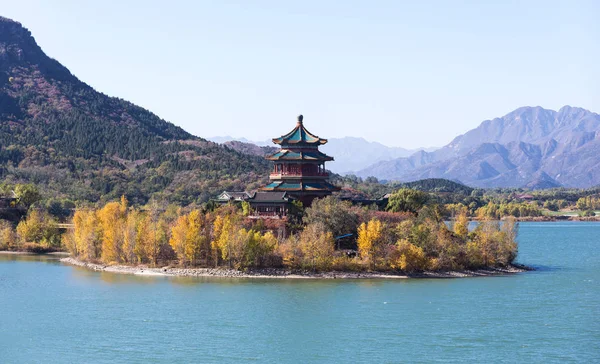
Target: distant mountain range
{"type": "Point", "coordinates": [529, 147]}
{"type": "Point", "coordinates": [350, 153]}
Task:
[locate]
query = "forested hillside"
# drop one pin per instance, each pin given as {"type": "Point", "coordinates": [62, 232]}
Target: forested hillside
{"type": "Point", "coordinates": [77, 143]}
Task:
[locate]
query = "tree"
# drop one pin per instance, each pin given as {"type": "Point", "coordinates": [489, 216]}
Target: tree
{"type": "Point", "coordinates": [508, 244]}
{"type": "Point", "coordinates": [85, 240]}
{"type": "Point", "coordinates": [259, 248]}
{"type": "Point", "coordinates": [370, 240]}
{"type": "Point", "coordinates": [27, 194]}
{"type": "Point", "coordinates": [179, 234]}
{"type": "Point", "coordinates": [411, 257]}
{"type": "Point", "coordinates": [132, 252]}
{"type": "Point", "coordinates": [316, 244]}
{"type": "Point", "coordinates": [406, 199]}
{"type": "Point", "coordinates": [8, 236]}
{"type": "Point", "coordinates": [461, 225]}
{"type": "Point", "coordinates": [39, 227]}
{"type": "Point", "coordinates": [336, 216]}
{"type": "Point", "coordinates": [112, 222]}
{"type": "Point", "coordinates": [246, 208]}
{"type": "Point", "coordinates": [196, 237]}
{"type": "Point", "coordinates": [152, 234]}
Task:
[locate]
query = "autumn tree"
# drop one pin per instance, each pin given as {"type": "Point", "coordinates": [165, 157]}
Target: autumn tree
{"type": "Point", "coordinates": [8, 236]}
{"type": "Point", "coordinates": [179, 234]}
{"type": "Point", "coordinates": [316, 244]}
{"type": "Point", "coordinates": [112, 219]}
{"type": "Point", "coordinates": [152, 234]}
{"type": "Point", "coordinates": [39, 227]}
{"type": "Point", "coordinates": [85, 239]}
{"type": "Point", "coordinates": [197, 237]}
{"type": "Point", "coordinates": [370, 239]}
{"type": "Point", "coordinates": [131, 251]}
{"type": "Point", "coordinates": [461, 224]}
{"type": "Point", "coordinates": [411, 258]}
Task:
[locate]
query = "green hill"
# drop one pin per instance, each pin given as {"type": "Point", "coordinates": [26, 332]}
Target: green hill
{"type": "Point", "coordinates": [438, 185]}
{"type": "Point", "coordinates": [77, 143]}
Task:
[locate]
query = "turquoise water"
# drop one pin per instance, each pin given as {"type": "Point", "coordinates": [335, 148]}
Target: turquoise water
{"type": "Point", "coordinates": [52, 313]}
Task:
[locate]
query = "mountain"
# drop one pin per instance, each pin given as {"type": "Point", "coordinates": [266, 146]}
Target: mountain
{"type": "Point", "coordinates": [250, 148]}
{"type": "Point", "coordinates": [353, 154]}
{"type": "Point", "coordinates": [350, 153]}
{"type": "Point", "coordinates": [438, 185]}
{"type": "Point", "coordinates": [227, 138]}
{"type": "Point", "coordinates": [78, 143]}
{"type": "Point", "coordinates": [529, 147]}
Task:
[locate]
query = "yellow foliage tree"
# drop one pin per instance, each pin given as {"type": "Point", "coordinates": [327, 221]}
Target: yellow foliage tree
{"type": "Point", "coordinates": [369, 240]}
{"type": "Point", "coordinates": [152, 235]}
{"type": "Point", "coordinates": [196, 237]}
{"type": "Point", "coordinates": [258, 248]}
{"type": "Point", "coordinates": [112, 222]}
{"type": "Point", "coordinates": [216, 236]}
{"type": "Point", "coordinates": [8, 236]}
{"type": "Point", "coordinates": [461, 225]}
{"type": "Point", "coordinates": [131, 249]}
{"type": "Point", "coordinates": [411, 257]}
{"type": "Point", "coordinates": [39, 227]}
{"type": "Point", "coordinates": [229, 238]}
{"type": "Point", "coordinates": [179, 234]}
{"type": "Point", "coordinates": [84, 241]}
{"type": "Point", "coordinates": [317, 246]}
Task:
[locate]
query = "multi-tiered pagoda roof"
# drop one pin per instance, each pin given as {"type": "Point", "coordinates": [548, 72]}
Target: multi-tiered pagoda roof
{"type": "Point", "coordinates": [299, 166]}
{"type": "Point", "coordinates": [299, 135]}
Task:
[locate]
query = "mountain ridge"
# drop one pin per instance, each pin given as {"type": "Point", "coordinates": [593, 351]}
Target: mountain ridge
{"type": "Point", "coordinates": [350, 153]}
{"type": "Point", "coordinates": [511, 151]}
{"type": "Point", "coordinates": [79, 143]}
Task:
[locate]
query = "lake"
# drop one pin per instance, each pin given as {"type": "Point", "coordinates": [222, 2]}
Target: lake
{"type": "Point", "coordinates": [54, 313]}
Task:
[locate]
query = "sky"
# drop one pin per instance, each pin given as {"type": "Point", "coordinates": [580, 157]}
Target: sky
{"type": "Point", "coordinates": [403, 73]}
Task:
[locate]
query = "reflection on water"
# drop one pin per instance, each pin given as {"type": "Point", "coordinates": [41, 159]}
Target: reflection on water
{"type": "Point", "coordinates": [49, 258]}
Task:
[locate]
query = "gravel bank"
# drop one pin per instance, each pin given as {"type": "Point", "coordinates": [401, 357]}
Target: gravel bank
{"type": "Point", "coordinates": [284, 273]}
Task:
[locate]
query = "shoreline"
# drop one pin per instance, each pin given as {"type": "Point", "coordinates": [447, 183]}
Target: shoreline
{"type": "Point", "coordinates": [20, 252]}
{"type": "Point", "coordinates": [281, 273]}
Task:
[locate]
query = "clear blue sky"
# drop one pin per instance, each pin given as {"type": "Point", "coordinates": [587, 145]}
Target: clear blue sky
{"type": "Point", "coordinates": [404, 73]}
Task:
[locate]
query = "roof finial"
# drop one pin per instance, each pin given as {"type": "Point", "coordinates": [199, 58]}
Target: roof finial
{"type": "Point", "coordinates": [300, 117]}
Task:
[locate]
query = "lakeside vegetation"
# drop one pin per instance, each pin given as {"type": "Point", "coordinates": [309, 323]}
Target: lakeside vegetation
{"type": "Point", "coordinates": [410, 233]}
{"type": "Point", "coordinates": [118, 233]}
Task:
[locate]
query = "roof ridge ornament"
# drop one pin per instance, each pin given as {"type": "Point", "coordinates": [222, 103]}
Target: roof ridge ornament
{"type": "Point", "coordinates": [300, 118]}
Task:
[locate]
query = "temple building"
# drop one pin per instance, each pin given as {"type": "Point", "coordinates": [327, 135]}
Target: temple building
{"type": "Point", "coordinates": [298, 174]}
{"type": "Point", "coordinates": [299, 166]}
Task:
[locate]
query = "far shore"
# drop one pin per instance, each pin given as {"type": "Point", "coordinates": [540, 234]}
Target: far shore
{"type": "Point", "coordinates": [282, 273]}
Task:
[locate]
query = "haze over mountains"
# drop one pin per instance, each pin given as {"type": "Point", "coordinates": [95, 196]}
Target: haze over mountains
{"type": "Point", "coordinates": [350, 153]}
{"type": "Point", "coordinates": [529, 147]}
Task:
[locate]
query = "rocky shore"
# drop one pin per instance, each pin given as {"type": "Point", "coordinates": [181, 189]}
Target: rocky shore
{"type": "Point", "coordinates": [286, 273]}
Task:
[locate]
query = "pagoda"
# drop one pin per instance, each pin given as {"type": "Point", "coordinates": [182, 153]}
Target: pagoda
{"type": "Point", "coordinates": [299, 166]}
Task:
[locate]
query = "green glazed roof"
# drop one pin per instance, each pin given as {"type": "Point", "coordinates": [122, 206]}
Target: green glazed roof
{"type": "Point", "coordinates": [302, 186]}
{"type": "Point", "coordinates": [299, 135]}
{"type": "Point", "coordinates": [284, 155]}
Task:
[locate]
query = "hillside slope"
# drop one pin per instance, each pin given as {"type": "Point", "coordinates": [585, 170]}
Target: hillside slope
{"type": "Point", "coordinates": [530, 146]}
{"type": "Point", "coordinates": [78, 143]}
